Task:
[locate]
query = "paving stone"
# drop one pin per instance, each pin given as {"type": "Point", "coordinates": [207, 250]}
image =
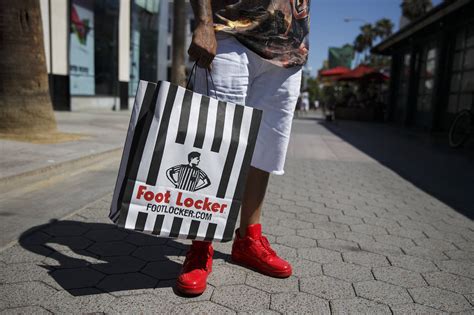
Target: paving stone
{"type": "Point", "coordinates": [141, 239]}
{"type": "Point", "coordinates": [440, 299]}
{"type": "Point", "coordinates": [354, 236]}
{"type": "Point", "coordinates": [303, 267]}
{"type": "Point", "coordinates": [37, 310]}
{"type": "Point", "coordinates": [398, 276]}
{"type": "Point", "coordinates": [327, 288]}
{"type": "Point", "coordinates": [394, 240]}
{"type": "Point", "coordinates": [359, 213]}
{"type": "Point", "coordinates": [72, 259]}
{"type": "Point", "coordinates": [25, 294]}
{"type": "Point", "coordinates": [434, 244]}
{"type": "Point", "coordinates": [296, 241]}
{"type": "Point", "coordinates": [365, 259]}
{"type": "Point", "coordinates": [346, 219]}
{"type": "Point", "coordinates": [127, 284]}
{"type": "Point", "coordinates": [269, 220]}
{"type": "Point", "coordinates": [414, 308]}
{"type": "Point", "coordinates": [279, 215]}
{"type": "Point", "coordinates": [260, 312]}
{"type": "Point", "coordinates": [368, 229]}
{"type": "Point", "coordinates": [156, 253]}
{"type": "Point", "coordinates": [106, 235]}
{"type": "Point", "coordinates": [381, 222]}
{"type": "Point", "coordinates": [470, 298]}
{"type": "Point", "coordinates": [226, 275]}
{"type": "Point", "coordinates": [301, 303]}
{"type": "Point", "coordinates": [403, 232]}
{"type": "Point", "coordinates": [140, 304]}
{"type": "Point", "coordinates": [347, 272]}
{"type": "Point", "coordinates": [117, 248]}
{"type": "Point", "coordinates": [462, 268]}
{"type": "Point", "coordinates": [277, 230]}
{"type": "Point", "coordinates": [120, 264]}
{"type": "Point", "coordinates": [270, 284]}
{"type": "Point", "coordinates": [64, 303]}
{"type": "Point", "coordinates": [380, 248]}
{"type": "Point", "coordinates": [61, 229]}
{"type": "Point", "coordinates": [340, 206]}
{"type": "Point", "coordinates": [450, 282]}
{"type": "Point", "coordinates": [460, 255]}
{"type": "Point", "coordinates": [331, 226]}
{"type": "Point", "coordinates": [298, 210]}
{"type": "Point", "coordinates": [358, 306]}
{"type": "Point", "coordinates": [412, 263]}
{"type": "Point", "coordinates": [18, 254]}
{"type": "Point", "coordinates": [382, 292]}
{"type": "Point", "coordinates": [467, 246]}
{"type": "Point", "coordinates": [162, 270]}
{"type": "Point", "coordinates": [23, 272]}
{"type": "Point", "coordinates": [319, 255]}
{"type": "Point", "coordinates": [312, 217]}
{"type": "Point", "coordinates": [446, 236]}
{"type": "Point", "coordinates": [77, 278]}
{"type": "Point", "coordinates": [35, 238]}
{"type": "Point", "coordinates": [283, 251]}
{"type": "Point", "coordinates": [241, 298]}
{"type": "Point", "coordinates": [320, 209]}
{"type": "Point", "coordinates": [316, 234]}
{"type": "Point", "coordinates": [204, 307]}
{"type": "Point", "coordinates": [339, 245]}
{"type": "Point", "coordinates": [296, 224]}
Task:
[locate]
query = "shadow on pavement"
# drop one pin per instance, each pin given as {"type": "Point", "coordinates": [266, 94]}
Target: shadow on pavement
{"type": "Point", "coordinates": [82, 257]}
{"type": "Point", "coordinates": [424, 160]}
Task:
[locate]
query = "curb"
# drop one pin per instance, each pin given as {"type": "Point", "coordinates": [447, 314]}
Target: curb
{"type": "Point", "coordinates": [11, 182]}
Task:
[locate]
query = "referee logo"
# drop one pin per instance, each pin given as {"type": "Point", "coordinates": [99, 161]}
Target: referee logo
{"type": "Point", "coordinates": [188, 176]}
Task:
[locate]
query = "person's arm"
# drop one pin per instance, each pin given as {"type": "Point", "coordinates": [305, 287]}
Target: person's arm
{"type": "Point", "coordinates": [204, 45]}
{"type": "Point", "coordinates": [170, 174]}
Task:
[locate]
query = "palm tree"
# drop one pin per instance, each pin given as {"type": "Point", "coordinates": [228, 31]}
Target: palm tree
{"type": "Point", "coordinates": [413, 9]}
{"type": "Point", "coordinates": [364, 40]}
{"type": "Point", "coordinates": [383, 28]}
{"type": "Point", "coordinates": [25, 104]}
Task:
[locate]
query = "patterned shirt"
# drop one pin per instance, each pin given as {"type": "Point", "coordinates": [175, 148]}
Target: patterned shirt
{"type": "Point", "coordinates": [276, 30]}
{"type": "Point", "coordinates": [188, 176]}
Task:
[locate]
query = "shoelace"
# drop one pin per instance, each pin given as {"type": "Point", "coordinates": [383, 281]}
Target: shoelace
{"type": "Point", "coordinates": [196, 259]}
{"type": "Point", "coordinates": [266, 245]}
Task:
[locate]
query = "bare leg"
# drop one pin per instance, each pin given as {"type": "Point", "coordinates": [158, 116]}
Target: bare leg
{"type": "Point", "coordinates": [252, 202]}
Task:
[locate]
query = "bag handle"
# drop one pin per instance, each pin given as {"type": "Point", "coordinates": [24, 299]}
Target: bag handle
{"type": "Point", "coordinates": [208, 75]}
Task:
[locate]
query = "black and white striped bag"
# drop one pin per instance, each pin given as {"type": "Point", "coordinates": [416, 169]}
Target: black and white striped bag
{"type": "Point", "coordinates": [184, 164]}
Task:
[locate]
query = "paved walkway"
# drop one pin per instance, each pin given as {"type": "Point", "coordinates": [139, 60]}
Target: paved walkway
{"type": "Point", "coordinates": [361, 238]}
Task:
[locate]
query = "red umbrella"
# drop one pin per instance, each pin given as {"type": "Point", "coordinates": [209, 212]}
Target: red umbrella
{"type": "Point", "coordinates": [334, 71]}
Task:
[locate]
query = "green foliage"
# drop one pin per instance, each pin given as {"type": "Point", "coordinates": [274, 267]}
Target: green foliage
{"type": "Point", "coordinates": [413, 9]}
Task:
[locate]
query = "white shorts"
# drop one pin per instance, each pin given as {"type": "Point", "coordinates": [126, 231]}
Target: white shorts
{"type": "Point", "coordinates": [242, 77]}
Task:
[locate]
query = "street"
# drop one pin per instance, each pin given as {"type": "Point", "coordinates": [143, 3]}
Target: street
{"type": "Point", "coordinates": [367, 230]}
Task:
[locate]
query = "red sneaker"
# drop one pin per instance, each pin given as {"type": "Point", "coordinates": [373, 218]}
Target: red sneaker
{"type": "Point", "coordinates": [254, 251]}
{"type": "Point", "coordinates": [196, 267]}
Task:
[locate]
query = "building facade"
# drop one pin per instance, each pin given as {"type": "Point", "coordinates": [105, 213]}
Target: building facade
{"type": "Point", "coordinates": [98, 50]}
{"type": "Point", "coordinates": [432, 67]}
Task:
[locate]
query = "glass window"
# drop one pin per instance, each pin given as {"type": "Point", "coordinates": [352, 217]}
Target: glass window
{"type": "Point", "coordinates": [453, 104]}
{"type": "Point", "coordinates": [457, 61]}
{"type": "Point", "coordinates": [469, 59]}
{"type": "Point", "coordinates": [470, 37]}
{"type": "Point", "coordinates": [460, 40]}
{"type": "Point", "coordinates": [426, 77]}
{"type": "Point", "coordinates": [465, 101]}
{"type": "Point", "coordinates": [455, 82]}
{"type": "Point", "coordinates": [467, 83]}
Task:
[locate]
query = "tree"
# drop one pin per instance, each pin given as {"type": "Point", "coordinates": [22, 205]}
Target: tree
{"type": "Point", "coordinates": [363, 42]}
{"type": "Point", "coordinates": [25, 104]}
{"type": "Point", "coordinates": [383, 28]}
{"type": "Point", "coordinates": [413, 9]}
{"type": "Point", "coordinates": [178, 66]}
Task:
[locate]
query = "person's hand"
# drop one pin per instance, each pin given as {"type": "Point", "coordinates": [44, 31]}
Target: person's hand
{"type": "Point", "coordinates": [203, 46]}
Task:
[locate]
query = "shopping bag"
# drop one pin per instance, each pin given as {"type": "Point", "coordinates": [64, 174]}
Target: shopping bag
{"type": "Point", "coordinates": [184, 164]}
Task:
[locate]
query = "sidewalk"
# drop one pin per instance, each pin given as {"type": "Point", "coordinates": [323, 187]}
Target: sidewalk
{"type": "Point", "coordinates": [361, 237]}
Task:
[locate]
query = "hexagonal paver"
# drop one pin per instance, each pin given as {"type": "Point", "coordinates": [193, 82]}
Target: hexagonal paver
{"type": "Point", "coordinates": [18, 254]}
{"type": "Point", "coordinates": [460, 255]}
{"type": "Point", "coordinates": [61, 229]}
{"type": "Point", "coordinates": [65, 303]}
{"type": "Point", "coordinates": [315, 234]}
{"type": "Point", "coordinates": [347, 272]}
{"type": "Point", "coordinates": [142, 239]}
{"type": "Point", "coordinates": [358, 306]}
{"type": "Point", "coordinates": [127, 284]}
{"type": "Point", "coordinates": [140, 304]}
{"type": "Point", "coordinates": [394, 240]}
{"type": "Point", "coordinates": [25, 310]}
{"type": "Point", "coordinates": [365, 259]}
{"type": "Point", "coordinates": [462, 268]}
{"type": "Point", "coordinates": [204, 307]}
{"type": "Point", "coordinates": [77, 278]}
{"type": "Point", "coordinates": [354, 237]}
{"type": "Point", "coordinates": [25, 293]}
{"type": "Point", "coordinates": [380, 248]}
{"type": "Point", "coordinates": [226, 275]}
{"type": "Point", "coordinates": [339, 245]}
{"type": "Point", "coordinates": [296, 241]}
{"type": "Point", "coordinates": [156, 253]}
{"type": "Point", "coordinates": [382, 292]}
{"type": "Point", "coordinates": [283, 251]}
{"type": "Point", "coordinates": [22, 272]}
{"type": "Point", "coordinates": [413, 308]}
{"type": "Point", "coordinates": [380, 222]}
{"type": "Point", "coordinates": [296, 224]}
{"type": "Point", "coordinates": [312, 217]}
{"type": "Point", "coordinates": [434, 243]}
{"type": "Point", "coordinates": [35, 238]}
{"type": "Point", "coordinates": [440, 299]}
{"type": "Point", "coordinates": [346, 219]}
{"type": "Point", "coordinates": [106, 235]}
{"type": "Point", "coordinates": [450, 282]}
{"type": "Point", "coordinates": [331, 226]}
{"type": "Point", "coordinates": [399, 276]}
{"type": "Point", "coordinates": [319, 255]}
{"type": "Point", "coordinates": [162, 270]}
{"type": "Point", "coordinates": [120, 264]}
{"type": "Point", "coordinates": [300, 303]}
{"type": "Point", "coordinates": [277, 230]}
{"type": "Point", "coordinates": [304, 267]}
{"type": "Point", "coordinates": [241, 298]}
{"type": "Point", "coordinates": [117, 248]}
{"type": "Point", "coordinates": [412, 263]}
{"type": "Point", "coordinates": [270, 284]}
{"type": "Point", "coordinates": [327, 288]}
{"type": "Point", "coordinates": [399, 231]}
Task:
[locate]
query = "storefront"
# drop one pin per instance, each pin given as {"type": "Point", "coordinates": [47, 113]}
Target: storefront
{"type": "Point", "coordinates": [107, 46]}
{"type": "Point", "coordinates": [432, 67]}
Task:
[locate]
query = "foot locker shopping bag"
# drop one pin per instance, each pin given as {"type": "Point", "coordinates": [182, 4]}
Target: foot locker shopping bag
{"type": "Point", "coordinates": [184, 164]}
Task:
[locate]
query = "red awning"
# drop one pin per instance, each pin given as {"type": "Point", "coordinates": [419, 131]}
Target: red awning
{"type": "Point", "coordinates": [334, 71]}
{"type": "Point", "coordinates": [363, 72]}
